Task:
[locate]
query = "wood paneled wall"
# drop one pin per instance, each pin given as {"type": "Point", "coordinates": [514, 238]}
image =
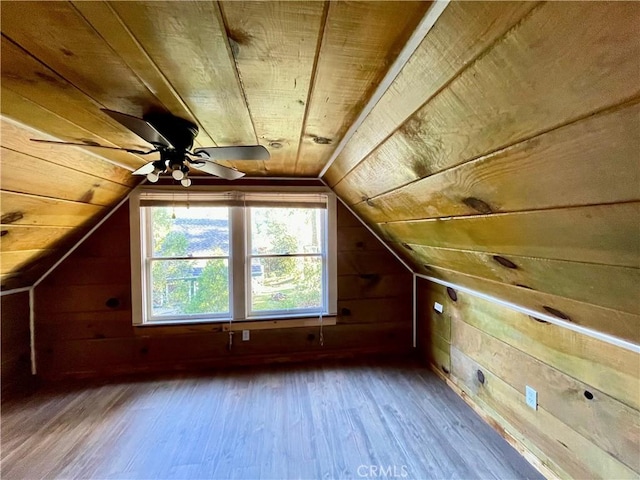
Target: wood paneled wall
{"type": "Point", "coordinates": [588, 421]}
{"type": "Point", "coordinates": [77, 334]}
{"type": "Point", "coordinates": [507, 158]}
{"type": "Point", "coordinates": [16, 351]}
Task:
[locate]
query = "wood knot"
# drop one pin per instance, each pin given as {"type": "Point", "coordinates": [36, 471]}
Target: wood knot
{"type": "Point", "coordinates": [556, 313]}
{"type": "Point", "coordinates": [11, 217]}
{"type": "Point", "coordinates": [477, 205]}
{"type": "Point", "coordinates": [505, 262]}
{"type": "Point", "coordinates": [367, 200]}
{"type": "Point", "coordinates": [453, 295]}
{"type": "Point", "coordinates": [539, 320]}
{"type": "Point", "coordinates": [407, 246]}
{"type": "Point", "coordinates": [480, 376]}
{"type": "Point", "coordinates": [113, 302]}
{"type": "Point", "coordinates": [322, 140]}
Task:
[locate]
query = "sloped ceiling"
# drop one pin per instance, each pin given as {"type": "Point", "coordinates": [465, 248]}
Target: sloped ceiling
{"type": "Point", "coordinates": [504, 157]}
{"type": "Point", "coordinates": [291, 76]}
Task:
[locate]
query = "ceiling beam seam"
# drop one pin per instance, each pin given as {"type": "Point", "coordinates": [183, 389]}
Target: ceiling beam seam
{"type": "Point", "coordinates": [223, 20]}
{"type": "Point", "coordinates": [314, 71]}
{"type": "Point", "coordinates": [418, 35]}
{"type": "Point", "coordinates": [437, 92]}
{"type": "Point", "coordinates": [148, 58]}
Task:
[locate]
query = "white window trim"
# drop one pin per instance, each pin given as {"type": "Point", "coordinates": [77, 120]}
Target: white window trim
{"type": "Point", "coordinates": [237, 268]}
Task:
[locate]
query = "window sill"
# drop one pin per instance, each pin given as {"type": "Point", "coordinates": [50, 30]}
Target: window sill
{"type": "Point", "coordinates": [237, 325]}
{"type": "Point", "coordinates": [278, 323]}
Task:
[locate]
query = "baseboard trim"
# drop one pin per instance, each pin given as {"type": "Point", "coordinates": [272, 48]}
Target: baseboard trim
{"type": "Point", "coordinates": [528, 455]}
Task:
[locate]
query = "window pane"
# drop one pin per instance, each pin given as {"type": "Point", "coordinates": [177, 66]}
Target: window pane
{"type": "Point", "coordinates": [285, 230]}
{"type": "Point", "coordinates": [189, 232]}
{"type": "Point", "coordinates": [286, 284]}
{"type": "Point", "coordinates": [189, 287]}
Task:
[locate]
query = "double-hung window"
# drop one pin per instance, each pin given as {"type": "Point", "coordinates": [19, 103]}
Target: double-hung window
{"type": "Point", "coordinates": [234, 255]}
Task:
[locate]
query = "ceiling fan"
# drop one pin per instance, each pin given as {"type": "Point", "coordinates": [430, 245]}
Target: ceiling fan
{"type": "Point", "coordinates": [172, 137]}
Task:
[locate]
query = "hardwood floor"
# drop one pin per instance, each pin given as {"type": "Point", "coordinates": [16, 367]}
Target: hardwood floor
{"type": "Point", "coordinates": [305, 421]}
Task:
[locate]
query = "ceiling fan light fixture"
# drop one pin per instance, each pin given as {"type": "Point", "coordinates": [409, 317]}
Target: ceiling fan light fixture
{"type": "Point", "coordinates": [172, 137]}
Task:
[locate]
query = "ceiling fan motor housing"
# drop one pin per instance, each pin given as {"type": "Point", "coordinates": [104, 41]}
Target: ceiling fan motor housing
{"type": "Point", "coordinates": [180, 132]}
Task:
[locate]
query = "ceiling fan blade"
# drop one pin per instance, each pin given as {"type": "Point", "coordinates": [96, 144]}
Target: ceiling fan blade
{"type": "Point", "coordinates": [218, 170]}
{"type": "Point", "coordinates": [94, 145]}
{"type": "Point", "coordinates": [250, 152]}
{"type": "Point", "coordinates": [140, 127]}
{"type": "Point", "coordinates": [145, 169]}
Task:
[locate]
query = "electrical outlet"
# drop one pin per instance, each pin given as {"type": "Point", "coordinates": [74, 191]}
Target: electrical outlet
{"type": "Point", "coordinates": [245, 335]}
{"type": "Point", "coordinates": [438, 307]}
{"type": "Point", "coordinates": [531, 396]}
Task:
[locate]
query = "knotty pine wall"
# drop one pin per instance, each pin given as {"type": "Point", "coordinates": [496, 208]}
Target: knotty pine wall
{"type": "Point", "coordinates": [77, 334]}
{"type": "Point", "coordinates": [570, 434]}
{"type": "Point", "coordinates": [14, 328]}
{"type": "Point", "coordinates": [505, 158]}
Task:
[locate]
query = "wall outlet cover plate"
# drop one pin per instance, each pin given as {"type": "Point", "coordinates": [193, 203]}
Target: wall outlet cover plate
{"type": "Point", "coordinates": [245, 335]}
{"type": "Point", "coordinates": [531, 396]}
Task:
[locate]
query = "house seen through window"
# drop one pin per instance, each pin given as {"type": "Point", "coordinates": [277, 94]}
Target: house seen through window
{"type": "Point", "coordinates": [232, 256]}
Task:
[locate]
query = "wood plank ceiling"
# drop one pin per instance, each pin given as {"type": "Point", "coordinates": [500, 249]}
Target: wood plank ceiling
{"type": "Point", "coordinates": [292, 76]}
{"type": "Point", "coordinates": [504, 156]}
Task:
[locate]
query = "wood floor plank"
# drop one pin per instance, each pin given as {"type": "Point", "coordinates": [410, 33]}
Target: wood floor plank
{"type": "Point", "coordinates": [333, 420]}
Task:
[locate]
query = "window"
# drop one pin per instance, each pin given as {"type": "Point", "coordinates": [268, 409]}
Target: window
{"type": "Point", "coordinates": [235, 255]}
